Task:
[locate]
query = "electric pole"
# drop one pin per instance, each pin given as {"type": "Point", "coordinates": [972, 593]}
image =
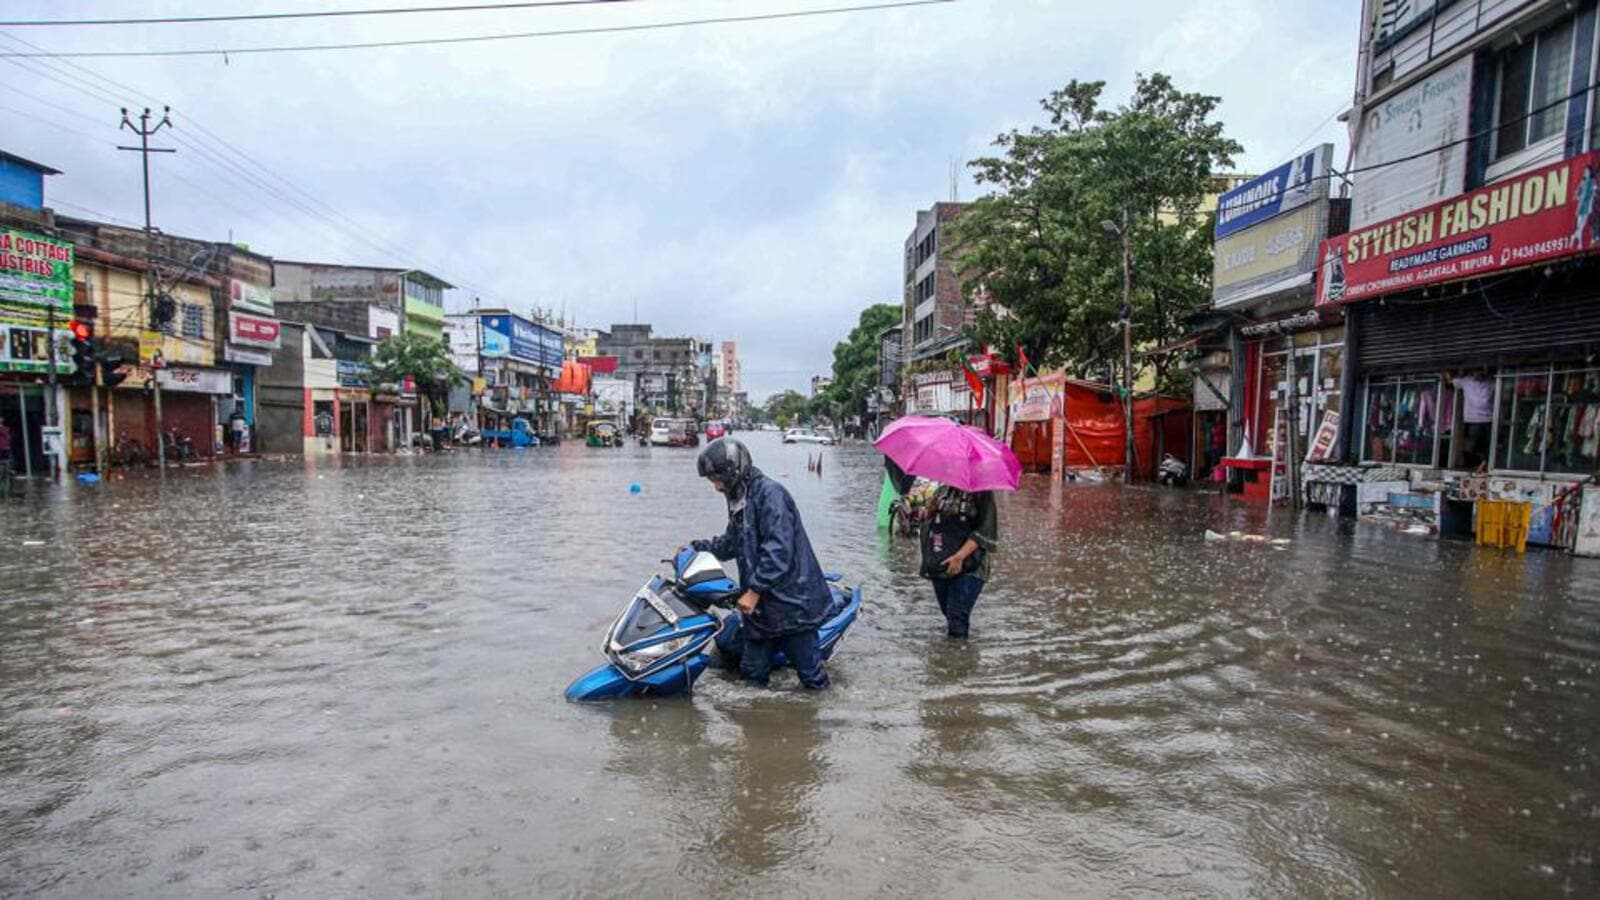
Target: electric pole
{"type": "Point", "coordinates": [152, 287]}
{"type": "Point", "coordinates": [1127, 344]}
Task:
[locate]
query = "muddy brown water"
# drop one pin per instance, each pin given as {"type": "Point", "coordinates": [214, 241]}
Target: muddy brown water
{"type": "Point", "coordinates": [345, 678]}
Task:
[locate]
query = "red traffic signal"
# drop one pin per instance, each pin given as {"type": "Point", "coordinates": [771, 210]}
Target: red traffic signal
{"type": "Point", "coordinates": [81, 330]}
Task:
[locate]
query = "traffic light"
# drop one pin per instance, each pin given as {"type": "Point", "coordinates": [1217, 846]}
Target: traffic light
{"type": "Point", "coordinates": [82, 349]}
{"type": "Point", "coordinates": [111, 359]}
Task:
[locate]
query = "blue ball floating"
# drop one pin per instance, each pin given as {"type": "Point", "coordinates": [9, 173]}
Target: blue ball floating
{"type": "Point", "coordinates": [636, 488]}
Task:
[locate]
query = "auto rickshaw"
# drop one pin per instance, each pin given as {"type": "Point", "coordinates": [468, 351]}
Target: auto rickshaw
{"type": "Point", "coordinates": [604, 434]}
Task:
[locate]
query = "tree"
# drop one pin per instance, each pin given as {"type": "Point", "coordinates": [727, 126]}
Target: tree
{"type": "Point", "coordinates": [1036, 243]}
{"type": "Point", "coordinates": [425, 360]}
{"type": "Point", "coordinates": [855, 362]}
{"type": "Point", "coordinates": [787, 408]}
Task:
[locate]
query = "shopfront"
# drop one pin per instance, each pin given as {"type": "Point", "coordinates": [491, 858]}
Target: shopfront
{"type": "Point", "coordinates": [253, 336]}
{"type": "Point", "coordinates": [35, 284]}
{"type": "Point", "coordinates": [1478, 374]}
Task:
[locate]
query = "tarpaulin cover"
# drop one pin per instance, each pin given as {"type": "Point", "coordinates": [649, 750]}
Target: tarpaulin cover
{"type": "Point", "coordinates": [1094, 426]}
{"type": "Point", "coordinates": [600, 365]}
{"type": "Point", "coordinates": [575, 378]}
{"type": "Point", "coordinates": [1095, 433]}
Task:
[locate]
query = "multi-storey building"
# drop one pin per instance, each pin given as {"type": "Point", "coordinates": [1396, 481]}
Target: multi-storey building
{"type": "Point", "coordinates": [935, 305]}
{"type": "Point", "coordinates": [671, 375]}
{"type": "Point", "coordinates": [1468, 277]}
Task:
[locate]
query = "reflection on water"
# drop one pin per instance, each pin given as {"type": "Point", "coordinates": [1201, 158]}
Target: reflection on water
{"type": "Point", "coordinates": [342, 677]}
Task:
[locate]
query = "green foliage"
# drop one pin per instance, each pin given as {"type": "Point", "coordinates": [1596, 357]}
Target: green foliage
{"type": "Point", "coordinates": [855, 363]}
{"type": "Point", "coordinates": [426, 360]}
{"type": "Point", "coordinates": [1037, 244]}
{"type": "Point", "coordinates": [787, 408]}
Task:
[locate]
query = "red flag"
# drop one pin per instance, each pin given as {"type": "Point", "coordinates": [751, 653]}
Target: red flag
{"type": "Point", "coordinates": [1022, 358]}
{"type": "Point", "coordinates": [973, 382]}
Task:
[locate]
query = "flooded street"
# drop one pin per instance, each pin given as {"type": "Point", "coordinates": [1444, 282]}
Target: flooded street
{"type": "Point", "coordinates": [312, 679]}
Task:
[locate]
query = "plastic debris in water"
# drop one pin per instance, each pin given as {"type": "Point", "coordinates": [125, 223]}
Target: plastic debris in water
{"type": "Point", "coordinates": [88, 478]}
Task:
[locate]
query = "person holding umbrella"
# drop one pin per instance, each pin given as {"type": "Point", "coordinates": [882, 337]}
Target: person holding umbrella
{"type": "Point", "coordinates": [961, 531]}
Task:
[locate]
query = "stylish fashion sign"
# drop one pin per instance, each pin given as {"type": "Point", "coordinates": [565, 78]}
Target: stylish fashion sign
{"type": "Point", "coordinates": [1537, 216]}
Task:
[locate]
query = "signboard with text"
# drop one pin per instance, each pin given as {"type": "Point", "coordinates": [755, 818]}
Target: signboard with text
{"type": "Point", "coordinates": [1410, 149]}
{"type": "Point", "coordinates": [1537, 216]}
{"type": "Point", "coordinates": [35, 274]}
{"type": "Point", "coordinates": [1253, 261]}
{"type": "Point", "coordinates": [254, 331]}
{"type": "Point", "coordinates": [252, 297]}
{"type": "Point", "coordinates": [1290, 186]}
{"type": "Point", "coordinates": [195, 381]}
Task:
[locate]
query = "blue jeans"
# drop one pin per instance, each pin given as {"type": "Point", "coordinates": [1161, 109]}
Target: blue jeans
{"type": "Point", "coordinates": [801, 649]}
{"type": "Point", "coordinates": [957, 596]}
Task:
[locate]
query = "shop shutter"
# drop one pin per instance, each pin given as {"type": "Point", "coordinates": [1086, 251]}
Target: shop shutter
{"type": "Point", "coordinates": [1502, 327]}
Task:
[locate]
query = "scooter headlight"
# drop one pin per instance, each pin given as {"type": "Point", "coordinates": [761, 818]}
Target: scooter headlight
{"type": "Point", "coordinates": [644, 657]}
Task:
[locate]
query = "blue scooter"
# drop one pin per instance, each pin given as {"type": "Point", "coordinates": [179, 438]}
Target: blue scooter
{"type": "Point", "coordinates": [663, 639]}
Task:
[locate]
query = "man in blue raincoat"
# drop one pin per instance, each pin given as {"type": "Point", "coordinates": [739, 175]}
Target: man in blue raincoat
{"type": "Point", "coordinates": [786, 595]}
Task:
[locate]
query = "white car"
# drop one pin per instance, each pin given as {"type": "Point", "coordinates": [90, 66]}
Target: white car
{"type": "Point", "coordinates": [806, 436]}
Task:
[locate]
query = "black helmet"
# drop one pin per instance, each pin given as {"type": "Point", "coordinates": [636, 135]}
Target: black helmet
{"type": "Point", "coordinates": [727, 461]}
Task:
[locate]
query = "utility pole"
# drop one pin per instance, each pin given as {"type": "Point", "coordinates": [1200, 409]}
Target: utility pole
{"type": "Point", "coordinates": [145, 131]}
{"type": "Point", "coordinates": [1122, 231]}
{"type": "Point", "coordinates": [51, 414]}
{"type": "Point", "coordinates": [1127, 344]}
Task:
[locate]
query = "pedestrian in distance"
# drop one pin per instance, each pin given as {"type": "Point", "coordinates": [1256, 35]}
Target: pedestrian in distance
{"type": "Point", "coordinates": [785, 593]}
{"type": "Point", "coordinates": [958, 537]}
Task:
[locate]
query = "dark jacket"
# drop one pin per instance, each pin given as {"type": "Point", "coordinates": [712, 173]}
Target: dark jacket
{"type": "Point", "coordinates": [775, 561]}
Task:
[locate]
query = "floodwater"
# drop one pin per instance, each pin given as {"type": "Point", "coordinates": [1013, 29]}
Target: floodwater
{"type": "Point", "coordinates": [345, 678]}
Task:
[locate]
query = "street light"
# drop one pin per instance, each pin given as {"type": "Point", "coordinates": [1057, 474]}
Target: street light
{"type": "Point", "coordinates": [1127, 336]}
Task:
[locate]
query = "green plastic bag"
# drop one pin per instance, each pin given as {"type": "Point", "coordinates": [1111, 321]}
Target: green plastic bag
{"type": "Point", "coordinates": [886, 498]}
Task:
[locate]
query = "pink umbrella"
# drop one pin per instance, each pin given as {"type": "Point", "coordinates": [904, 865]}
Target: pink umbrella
{"type": "Point", "coordinates": [950, 453]}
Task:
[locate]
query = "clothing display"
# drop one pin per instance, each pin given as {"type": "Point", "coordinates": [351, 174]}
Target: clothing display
{"type": "Point", "coordinates": [1477, 399]}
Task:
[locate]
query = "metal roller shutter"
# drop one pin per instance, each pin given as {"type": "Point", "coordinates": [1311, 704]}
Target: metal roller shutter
{"type": "Point", "coordinates": [1503, 326]}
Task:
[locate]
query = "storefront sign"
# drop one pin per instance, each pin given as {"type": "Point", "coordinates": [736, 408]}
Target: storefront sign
{"type": "Point", "coordinates": [1322, 442]}
{"type": "Point", "coordinates": [35, 272]}
{"type": "Point", "coordinates": [1277, 252]}
{"type": "Point", "coordinates": [1398, 157]}
{"type": "Point", "coordinates": [1288, 325]}
{"type": "Point", "coordinates": [195, 381]}
{"type": "Point", "coordinates": [1037, 399]}
{"type": "Point", "coordinates": [1534, 217]}
{"type": "Point", "coordinates": [354, 374]}
{"type": "Point", "coordinates": [26, 349]}
{"type": "Point", "coordinates": [250, 297]}
{"type": "Point", "coordinates": [240, 355]}
{"type": "Point", "coordinates": [254, 331]}
{"type": "Point", "coordinates": [520, 339]}
{"type": "Point", "coordinates": [1290, 186]}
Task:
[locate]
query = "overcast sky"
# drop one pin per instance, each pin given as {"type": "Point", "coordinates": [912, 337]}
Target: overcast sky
{"type": "Point", "coordinates": [748, 181]}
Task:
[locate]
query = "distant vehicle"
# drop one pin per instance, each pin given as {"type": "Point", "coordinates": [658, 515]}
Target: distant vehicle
{"type": "Point", "coordinates": [715, 429]}
{"type": "Point", "coordinates": [520, 434]}
{"type": "Point", "coordinates": [674, 433]}
{"type": "Point", "coordinates": [807, 436]}
{"type": "Point", "coordinates": [604, 434]}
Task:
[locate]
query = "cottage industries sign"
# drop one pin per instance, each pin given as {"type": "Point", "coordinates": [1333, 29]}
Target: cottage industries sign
{"type": "Point", "coordinates": [1257, 260]}
{"type": "Point", "coordinates": [1290, 186]}
{"type": "Point", "coordinates": [35, 271]}
{"type": "Point", "coordinates": [1541, 215]}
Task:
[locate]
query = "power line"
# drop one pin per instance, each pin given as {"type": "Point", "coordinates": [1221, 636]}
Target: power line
{"type": "Point", "coordinates": [320, 14]}
{"type": "Point", "coordinates": [480, 38]}
{"type": "Point", "coordinates": [223, 161]}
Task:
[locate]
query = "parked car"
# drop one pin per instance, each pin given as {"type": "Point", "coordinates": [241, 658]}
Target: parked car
{"type": "Point", "coordinates": [806, 436]}
{"type": "Point", "coordinates": [674, 433]}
